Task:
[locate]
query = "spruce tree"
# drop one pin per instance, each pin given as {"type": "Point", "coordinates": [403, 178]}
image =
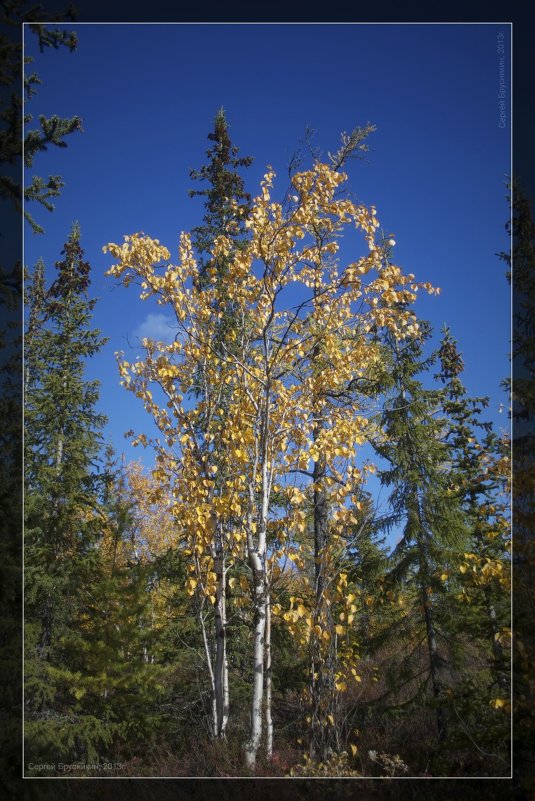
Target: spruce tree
{"type": "Point", "coordinates": [421, 500]}
{"type": "Point", "coordinates": [522, 258]}
{"type": "Point", "coordinates": [522, 229]}
{"type": "Point", "coordinates": [10, 531]}
{"type": "Point", "coordinates": [226, 201]}
{"type": "Point", "coordinates": [476, 463]}
{"type": "Point", "coordinates": [62, 441]}
{"type": "Point", "coordinates": [51, 131]}
{"type": "Point", "coordinates": [12, 15]}
{"type": "Point", "coordinates": [110, 653]}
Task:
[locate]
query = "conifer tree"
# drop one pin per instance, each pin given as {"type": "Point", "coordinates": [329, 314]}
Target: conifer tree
{"type": "Point", "coordinates": [13, 13]}
{"type": "Point", "coordinates": [422, 499]}
{"type": "Point", "coordinates": [111, 651]}
{"type": "Point", "coordinates": [51, 131]}
{"type": "Point", "coordinates": [522, 259]}
{"type": "Point", "coordinates": [522, 229]}
{"type": "Point", "coordinates": [226, 201]}
{"type": "Point", "coordinates": [61, 445]}
{"type": "Point", "coordinates": [10, 531]}
{"type": "Point", "coordinates": [481, 466]}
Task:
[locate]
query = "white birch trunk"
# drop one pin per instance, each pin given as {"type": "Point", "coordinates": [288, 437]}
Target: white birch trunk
{"type": "Point", "coordinates": [269, 719]}
{"type": "Point", "coordinates": [210, 671]}
{"type": "Point", "coordinates": [257, 561]}
{"type": "Point", "coordinates": [251, 749]}
{"type": "Point", "coordinates": [226, 696]}
{"type": "Point", "coordinates": [221, 663]}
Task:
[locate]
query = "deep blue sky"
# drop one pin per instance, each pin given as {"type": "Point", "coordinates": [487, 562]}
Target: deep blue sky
{"type": "Point", "coordinates": [436, 170]}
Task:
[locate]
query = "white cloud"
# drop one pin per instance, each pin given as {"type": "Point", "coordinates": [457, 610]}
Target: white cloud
{"type": "Point", "coordinates": [157, 326]}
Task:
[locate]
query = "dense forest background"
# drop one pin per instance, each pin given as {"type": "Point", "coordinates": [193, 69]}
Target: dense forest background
{"type": "Point", "coordinates": [241, 610]}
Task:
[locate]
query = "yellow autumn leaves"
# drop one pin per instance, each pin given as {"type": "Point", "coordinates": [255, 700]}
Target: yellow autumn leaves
{"type": "Point", "coordinates": [239, 415]}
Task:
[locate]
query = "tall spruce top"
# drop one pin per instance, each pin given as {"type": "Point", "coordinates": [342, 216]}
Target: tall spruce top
{"type": "Point", "coordinates": [226, 201]}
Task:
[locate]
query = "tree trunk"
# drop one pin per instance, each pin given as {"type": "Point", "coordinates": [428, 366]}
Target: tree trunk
{"type": "Point", "coordinates": [323, 739]}
{"type": "Point", "coordinates": [210, 670]}
{"type": "Point", "coordinates": [269, 719]}
{"type": "Point", "coordinates": [318, 745]}
{"type": "Point", "coordinates": [500, 662]}
{"type": "Point", "coordinates": [434, 660]}
{"type": "Point", "coordinates": [251, 749]}
{"type": "Point", "coordinates": [59, 455]}
{"type": "Point", "coordinates": [432, 647]}
{"type": "Point", "coordinates": [226, 695]}
{"type": "Point", "coordinates": [220, 662]}
{"type": "Point", "coordinates": [257, 561]}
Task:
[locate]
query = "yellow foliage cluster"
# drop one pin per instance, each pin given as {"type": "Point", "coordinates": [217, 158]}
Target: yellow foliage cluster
{"type": "Point", "coordinates": [255, 423]}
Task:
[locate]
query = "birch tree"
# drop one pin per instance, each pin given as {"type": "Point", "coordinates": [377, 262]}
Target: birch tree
{"type": "Point", "coordinates": [287, 298]}
{"type": "Point", "coordinates": [226, 206]}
